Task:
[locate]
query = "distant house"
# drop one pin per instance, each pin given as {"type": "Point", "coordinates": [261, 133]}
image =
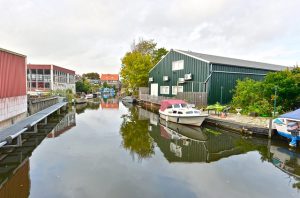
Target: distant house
{"type": "Point", "coordinates": [110, 79]}
{"type": "Point", "coordinates": [94, 81]}
{"type": "Point", "coordinates": [13, 97]}
{"type": "Point", "coordinates": [44, 78]}
{"type": "Point", "coordinates": [186, 71]}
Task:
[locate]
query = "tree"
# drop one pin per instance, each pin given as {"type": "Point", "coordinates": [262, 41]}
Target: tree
{"type": "Point", "coordinates": [288, 88]}
{"type": "Point", "coordinates": [259, 96]}
{"type": "Point", "coordinates": [135, 70]}
{"type": "Point", "coordinates": [137, 63]}
{"type": "Point", "coordinates": [158, 54]}
{"type": "Point", "coordinates": [145, 47]}
{"type": "Point", "coordinates": [83, 86]}
{"type": "Point", "coordinates": [91, 75]}
{"type": "Point", "coordinates": [248, 95]}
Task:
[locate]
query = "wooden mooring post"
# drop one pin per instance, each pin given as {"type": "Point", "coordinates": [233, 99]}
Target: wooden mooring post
{"type": "Point", "coordinates": [270, 128]}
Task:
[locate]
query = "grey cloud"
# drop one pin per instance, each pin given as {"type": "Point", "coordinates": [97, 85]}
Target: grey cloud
{"type": "Point", "coordinates": [93, 35]}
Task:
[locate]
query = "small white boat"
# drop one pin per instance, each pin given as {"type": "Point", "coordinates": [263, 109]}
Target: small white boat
{"type": "Point", "coordinates": [89, 96]}
{"type": "Point", "coordinates": [128, 99]}
{"type": "Point", "coordinates": [288, 125]}
{"type": "Point", "coordinates": [179, 112]}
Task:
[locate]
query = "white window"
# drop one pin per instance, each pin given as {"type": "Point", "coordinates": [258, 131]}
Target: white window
{"type": "Point", "coordinates": [177, 65]}
{"type": "Point", "coordinates": [176, 89]}
{"type": "Point", "coordinates": [164, 89]}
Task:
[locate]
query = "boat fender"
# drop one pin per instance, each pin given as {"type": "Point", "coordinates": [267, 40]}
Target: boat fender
{"type": "Point", "coordinates": [8, 140]}
{"type": "Point", "coordinates": [167, 118]}
{"type": "Point", "coordinates": [177, 120]}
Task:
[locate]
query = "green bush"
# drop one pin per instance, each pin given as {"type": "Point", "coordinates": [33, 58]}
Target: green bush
{"type": "Point", "coordinates": [259, 96]}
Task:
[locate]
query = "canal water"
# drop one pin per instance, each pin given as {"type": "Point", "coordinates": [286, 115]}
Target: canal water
{"type": "Point", "coordinates": [108, 149]}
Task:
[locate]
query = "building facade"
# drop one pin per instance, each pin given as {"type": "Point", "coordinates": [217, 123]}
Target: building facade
{"type": "Point", "coordinates": [186, 71]}
{"type": "Point", "coordinates": [13, 97]}
{"type": "Point", "coordinates": [44, 78]}
{"type": "Point", "coordinates": [111, 80]}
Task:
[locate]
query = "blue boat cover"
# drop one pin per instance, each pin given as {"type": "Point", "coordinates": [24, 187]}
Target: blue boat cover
{"type": "Point", "coordinates": [292, 115]}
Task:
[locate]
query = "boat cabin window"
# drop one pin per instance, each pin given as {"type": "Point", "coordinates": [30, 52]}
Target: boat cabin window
{"type": "Point", "coordinates": [174, 111]}
{"type": "Point", "coordinates": [169, 107]}
{"type": "Point", "coordinates": [176, 106]}
{"type": "Point", "coordinates": [183, 105]}
{"type": "Point", "coordinates": [197, 112]}
{"type": "Point", "coordinates": [180, 112]}
{"type": "Point", "coordinates": [189, 112]}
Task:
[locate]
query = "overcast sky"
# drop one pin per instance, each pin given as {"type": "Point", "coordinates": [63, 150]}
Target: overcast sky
{"type": "Point", "coordinates": [93, 35]}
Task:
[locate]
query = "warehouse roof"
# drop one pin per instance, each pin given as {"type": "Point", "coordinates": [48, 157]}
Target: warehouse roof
{"type": "Point", "coordinates": [231, 61]}
{"type": "Point", "coordinates": [11, 52]}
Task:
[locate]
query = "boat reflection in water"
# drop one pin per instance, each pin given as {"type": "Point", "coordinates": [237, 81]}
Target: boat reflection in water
{"type": "Point", "coordinates": [180, 143]}
{"type": "Point", "coordinates": [288, 161]}
{"type": "Point", "coordinates": [15, 163]}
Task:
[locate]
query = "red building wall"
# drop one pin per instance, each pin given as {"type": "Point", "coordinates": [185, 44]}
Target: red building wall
{"type": "Point", "coordinates": [13, 98]}
{"type": "Point", "coordinates": [12, 74]}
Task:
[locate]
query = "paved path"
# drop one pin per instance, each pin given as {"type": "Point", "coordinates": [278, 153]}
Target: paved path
{"type": "Point", "coordinates": [20, 127]}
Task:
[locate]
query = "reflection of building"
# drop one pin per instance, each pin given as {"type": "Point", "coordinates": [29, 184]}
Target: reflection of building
{"type": "Point", "coordinates": [64, 125]}
{"type": "Point", "coordinates": [44, 78]}
{"type": "Point", "coordinates": [110, 79]}
{"type": "Point", "coordinates": [14, 165]}
{"type": "Point", "coordinates": [19, 184]}
{"type": "Point", "coordinates": [148, 115]}
{"type": "Point", "coordinates": [110, 103]}
{"type": "Point", "coordinates": [13, 98]}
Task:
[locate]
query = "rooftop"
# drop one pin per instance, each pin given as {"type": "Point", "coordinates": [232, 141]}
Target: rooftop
{"type": "Point", "coordinates": [11, 52]}
{"type": "Point", "coordinates": [48, 66]}
{"type": "Point", "coordinates": [110, 77]}
{"type": "Point", "coordinates": [232, 61]}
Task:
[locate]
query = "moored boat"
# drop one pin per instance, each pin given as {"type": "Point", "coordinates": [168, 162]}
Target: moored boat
{"type": "Point", "coordinates": [129, 99]}
{"type": "Point", "coordinates": [190, 132]}
{"type": "Point", "coordinates": [179, 112]}
{"type": "Point", "coordinates": [288, 125]}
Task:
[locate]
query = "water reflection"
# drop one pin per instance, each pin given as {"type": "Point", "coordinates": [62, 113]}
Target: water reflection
{"type": "Point", "coordinates": [15, 163]}
{"type": "Point", "coordinates": [135, 135]}
{"type": "Point", "coordinates": [287, 161]}
{"type": "Point", "coordinates": [180, 143]}
{"type": "Point", "coordinates": [91, 105]}
{"type": "Point", "coordinates": [109, 103]}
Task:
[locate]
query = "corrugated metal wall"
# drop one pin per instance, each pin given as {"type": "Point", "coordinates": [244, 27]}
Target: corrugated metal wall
{"type": "Point", "coordinates": [199, 70]}
{"type": "Point", "coordinates": [12, 75]}
{"type": "Point", "coordinates": [222, 84]}
{"type": "Point", "coordinates": [223, 77]}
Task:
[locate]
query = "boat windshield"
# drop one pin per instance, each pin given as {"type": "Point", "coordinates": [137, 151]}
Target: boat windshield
{"type": "Point", "coordinates": [184, 105]}
{"type": "Point", "coordinates": [176, 106]}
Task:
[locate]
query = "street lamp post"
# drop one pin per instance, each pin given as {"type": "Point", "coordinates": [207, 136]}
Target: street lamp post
{"type": "Point", "coordinates": [275, 100]}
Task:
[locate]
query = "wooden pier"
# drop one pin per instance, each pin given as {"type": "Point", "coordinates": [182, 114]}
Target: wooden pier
{"type": "Point", "coordinates": [28, 125]}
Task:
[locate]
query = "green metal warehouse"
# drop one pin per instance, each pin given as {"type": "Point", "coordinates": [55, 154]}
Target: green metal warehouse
{"type": "Point", "coordinates": [186, 71]}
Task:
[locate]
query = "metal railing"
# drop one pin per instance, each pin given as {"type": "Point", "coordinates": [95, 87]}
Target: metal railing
{"type": "Point", "coordinates": [152, 99]}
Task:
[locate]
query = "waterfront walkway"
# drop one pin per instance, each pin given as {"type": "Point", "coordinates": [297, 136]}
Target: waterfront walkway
{"type": "Point", "coordinates": [10, 133]}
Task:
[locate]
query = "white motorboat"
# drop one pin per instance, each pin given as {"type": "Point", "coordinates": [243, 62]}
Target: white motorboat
{"type": "Point", "coordinates": [179, 112]}
{"type": "Point", "coordinates": [288, 125]}
{"type": "Point", "coordinates": [129, 99]}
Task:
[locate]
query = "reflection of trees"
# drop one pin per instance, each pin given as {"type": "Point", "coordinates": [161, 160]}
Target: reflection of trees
{"type": "Point", "coordinates": [135, 135]}
{"type": "Point", "coordinates": [80, 108]}
{"type": "Point", "coordinates": [246, 145]}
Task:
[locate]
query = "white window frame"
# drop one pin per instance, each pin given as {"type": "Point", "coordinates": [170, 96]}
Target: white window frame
{"type": "Point", "coordinates": [174, 89]}
{"type": "Point", "coordinates": [177, 65]}
{"type": "Point", "coordinates": [164, 90]}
